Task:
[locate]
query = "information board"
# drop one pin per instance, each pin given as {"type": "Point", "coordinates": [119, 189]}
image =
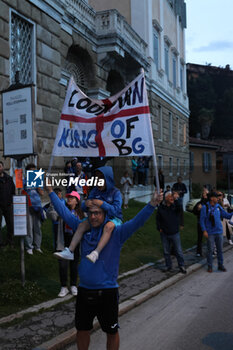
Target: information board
{"type": "Point", "coordinates": [17, 122]}
{"type": "Point", "coordinates": [20, 215]}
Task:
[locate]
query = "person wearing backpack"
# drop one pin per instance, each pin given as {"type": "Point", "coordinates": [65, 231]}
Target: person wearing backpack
{"type": "Point", "coordinates": [211, 225]}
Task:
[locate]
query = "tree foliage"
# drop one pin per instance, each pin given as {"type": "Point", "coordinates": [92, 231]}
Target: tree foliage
{"type": "Point", "coordinates": [211, 90]}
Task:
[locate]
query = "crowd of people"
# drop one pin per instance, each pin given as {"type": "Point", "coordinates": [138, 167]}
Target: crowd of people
{"type": "Point", "coordinates": [88, 233]}
{"type": "Point", "coordinates": [214, 215]}
{"type": "Point", "coordinates": [140, 170]}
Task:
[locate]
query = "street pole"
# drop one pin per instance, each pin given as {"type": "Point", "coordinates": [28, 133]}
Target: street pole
{"type": "Point", "coordinates": [22, 261]}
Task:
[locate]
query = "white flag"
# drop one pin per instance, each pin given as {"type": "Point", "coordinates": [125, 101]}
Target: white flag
{"type": "Point", "coordinates": [117, 126]}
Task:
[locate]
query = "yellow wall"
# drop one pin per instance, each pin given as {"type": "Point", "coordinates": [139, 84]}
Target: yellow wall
{"type": "Point", "coordinates": [155, 10]}
{"type": "Point", "coordinates": [198, 175]}
{"type": "Point", "coordinates": [122, 6]}
{"type": "Point", "coordinates": [169, 23]}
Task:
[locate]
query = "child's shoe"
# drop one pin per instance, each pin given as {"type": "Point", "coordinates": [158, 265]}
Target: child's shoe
{"type": "Point", "coordinates": [93, 256]}
{"type": "Point", "coordinates": [63, 292]}
{"type": "Point", "coordinates": [66, 254]}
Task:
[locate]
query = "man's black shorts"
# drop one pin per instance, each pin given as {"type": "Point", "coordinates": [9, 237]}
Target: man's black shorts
{"type": "Point", "coordinates": [102, 303]}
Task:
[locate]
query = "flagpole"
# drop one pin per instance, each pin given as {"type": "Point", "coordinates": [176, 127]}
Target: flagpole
{"type": "Point", "coordinates": [156, 173]}
{"type": "Point", "coordinates": [153, 147]}
{"type": "Point", "coordinates": [50, 164]}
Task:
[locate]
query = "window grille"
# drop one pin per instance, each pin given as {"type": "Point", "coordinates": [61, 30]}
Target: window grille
{"type": "Point", "coordinates": [21, 51]}
{"type": "Point", "coordinates": [77, 71]}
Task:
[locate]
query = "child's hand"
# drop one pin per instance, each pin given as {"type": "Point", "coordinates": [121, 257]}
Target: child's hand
{"type": "Point", "coordinates": [88, 203]}
{"type": "Point", "coordinates": [97, 202]}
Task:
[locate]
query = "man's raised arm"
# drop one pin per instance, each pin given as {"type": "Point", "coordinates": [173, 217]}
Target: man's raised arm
{"type": "Point", "coordinates": [131, 226]}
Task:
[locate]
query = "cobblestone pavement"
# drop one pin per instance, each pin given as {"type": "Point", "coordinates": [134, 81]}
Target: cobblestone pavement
{"type": "Point", "coordinates": [32, 330]}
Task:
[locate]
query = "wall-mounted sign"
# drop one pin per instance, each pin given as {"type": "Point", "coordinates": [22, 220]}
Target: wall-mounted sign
{"type": "Point", "coordinates": [17, 122]}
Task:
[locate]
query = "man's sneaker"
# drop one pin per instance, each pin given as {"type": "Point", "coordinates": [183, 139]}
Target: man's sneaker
{"type": "Point", "coordinates": [222, 268]}
{"type": "Point", "coordinates": [38, 250]}
{"type": "Point", "coordinates": [210, 269]}
{"type": "Point", "coordinates": [63, 292]}
{"type": "Point", "coordinates": [74, 290]}
{"type": "Point", "coordinates": [93, 256]}
{"type": "Point", "coordinates": [230, 242]}
{"type": "Point", "coordinates": [182, 270]}
{"type": "Point", "coordinates": [66, 254]}
{"type": "Point", "coordinates": [29, 251]}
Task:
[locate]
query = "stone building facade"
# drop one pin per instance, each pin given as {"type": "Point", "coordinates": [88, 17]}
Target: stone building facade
{"type": "Point", "coordinates": [103, 47]}
{"type": "Point", "coordinates": [203, 162]}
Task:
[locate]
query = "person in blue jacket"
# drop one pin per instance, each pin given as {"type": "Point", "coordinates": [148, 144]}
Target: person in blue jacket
{"type": "Point", "coordinates": [211, 225]}
{"type": "Point", "coordinates": [98, 287]}
{"type": "Point", "coordinates": [33, 238]}
{"type": "Point", "coordinates": [107, 197]}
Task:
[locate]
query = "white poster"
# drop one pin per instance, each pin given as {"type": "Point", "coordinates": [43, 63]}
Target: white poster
{"type": "Point", "coordinates": [20, 215]}
{"type": "Point", "coordinates": [17, 122]}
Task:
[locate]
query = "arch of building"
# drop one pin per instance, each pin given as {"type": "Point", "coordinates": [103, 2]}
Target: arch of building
{"type": "Point", "coordinates": [80, 64]}
{"type": "Point", "coordinates": [115, 82]}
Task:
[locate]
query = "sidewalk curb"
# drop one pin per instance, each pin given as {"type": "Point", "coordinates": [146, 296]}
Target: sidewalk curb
{"type": "Point", "coordinates": [69, 337]}
{"type": "Point", "coordinates": [35, 308]}
{"type": "Point", "coordinates": [48, 304]}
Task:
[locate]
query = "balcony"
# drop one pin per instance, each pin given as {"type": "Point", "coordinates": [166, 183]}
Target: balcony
{"type": "Point", "coordinates": [116, 35]}
{"type": "Point", "coordinates": [108, 30]}
{"type": "Point", "coordinates": [81, 11]}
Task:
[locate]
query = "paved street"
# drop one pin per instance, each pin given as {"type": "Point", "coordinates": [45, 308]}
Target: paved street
{"type": "Point", "coordinates": [196, 313]}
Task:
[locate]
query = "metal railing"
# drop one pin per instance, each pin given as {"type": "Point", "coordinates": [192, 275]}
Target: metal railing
{"type": "Point", "coordinates": [111, 21]}
{"type": "Point", "coordinates": [81, 10]}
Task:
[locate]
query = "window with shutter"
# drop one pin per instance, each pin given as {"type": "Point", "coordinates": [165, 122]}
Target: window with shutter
{"type": "Point", "coordinates": [174, 64]}
{"type": "Point", "coordinates": [156, 48]}
{"type": "Point", "coordinates": [166, 59]}
{"type": "Point", "coordinates": [178, 166]}
{"type": "Point", "coordinates": [191, 162]}
{"type": "Point", "coordinates": [206, 162]}
{"type": "Point", "coordinates": [170, 128]}
{"type": "Point", "coordinates": [170, 166]}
